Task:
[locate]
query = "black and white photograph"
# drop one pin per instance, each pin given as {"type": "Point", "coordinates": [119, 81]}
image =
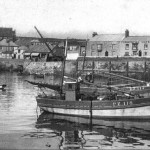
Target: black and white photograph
{"type": "Point", "coordinates": [74, 74]}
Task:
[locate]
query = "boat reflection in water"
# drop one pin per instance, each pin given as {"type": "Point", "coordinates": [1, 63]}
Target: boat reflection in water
{"type": "Point", "coordinates": [83, 133]}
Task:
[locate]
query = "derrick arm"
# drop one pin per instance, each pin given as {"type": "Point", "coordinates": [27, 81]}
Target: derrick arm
{"type": "Point", "coordinates": [44, 41]}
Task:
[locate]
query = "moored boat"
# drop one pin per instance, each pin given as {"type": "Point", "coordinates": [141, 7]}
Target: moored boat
{"type": "Point", "coordinates": [116, 104]}
{"type": "Point", "coordinates": [39, 75]}
{"type": "Point", "coordinates": [110, 106]}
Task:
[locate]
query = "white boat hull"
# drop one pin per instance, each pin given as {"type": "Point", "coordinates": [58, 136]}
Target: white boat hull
{"type": "Point", "coordinates": [138, 112]}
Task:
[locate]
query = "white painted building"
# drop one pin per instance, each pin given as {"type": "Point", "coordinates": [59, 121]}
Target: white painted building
{"type": "Point", "coordinates": [7, 48]}
{"type": "Point", "coordinates": [19, 52]}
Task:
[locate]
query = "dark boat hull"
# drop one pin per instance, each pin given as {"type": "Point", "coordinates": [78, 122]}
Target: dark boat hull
{"type": "Point", "coordinates": [123, 109]}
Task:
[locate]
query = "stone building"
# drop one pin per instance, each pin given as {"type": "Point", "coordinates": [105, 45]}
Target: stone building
{"type": "Point", "coordinates": [135, 46]}
{"type": "Point", "coordinates": [7, 48]}
{"type": "Point", "coordinates": [104, 45]}
{"type": "Point", "coordinates": [7, 33]}
{"type": "Point", "coordinates": [75, 48]}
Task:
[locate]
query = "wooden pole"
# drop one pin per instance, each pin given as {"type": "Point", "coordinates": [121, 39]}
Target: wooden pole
{"type": "Point", "coordinates": [127, 69]}
{"type": "Point", "coordinates": [63, 67]}
{"type": "Point", "coordinates": [109, 66]}
{"type": "Point", "coordinates": [110, 79]}
{"type": "Point", "coordinates": [91, 113]}
{"type": "Point", "coordinates": [145, 68]}
{"type": "Point", "coordinates": [93, 71]}
{"type": "Point", "coordinates": [77, 68]}
{"type": "Point", "coordinates": [84, 57]}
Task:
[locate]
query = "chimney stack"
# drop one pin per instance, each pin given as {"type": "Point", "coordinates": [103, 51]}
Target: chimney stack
{"type": "Point", "coordinates": [94, 34]}
{"type": "Point", "coordinates": [126, 33]}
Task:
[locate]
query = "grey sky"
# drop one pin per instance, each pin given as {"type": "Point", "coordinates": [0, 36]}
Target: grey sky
{"type": "Point", "coordinates": [80, 17]}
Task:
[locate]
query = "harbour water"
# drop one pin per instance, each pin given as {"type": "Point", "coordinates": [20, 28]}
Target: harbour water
{"type": "Point", "coordinates": [24, 126]}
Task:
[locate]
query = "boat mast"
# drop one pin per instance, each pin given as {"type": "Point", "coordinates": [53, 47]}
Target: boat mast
{"type": "Point", "coordinates": [84, 56]}
{"type": "Point", "coordinates": [63, 66]}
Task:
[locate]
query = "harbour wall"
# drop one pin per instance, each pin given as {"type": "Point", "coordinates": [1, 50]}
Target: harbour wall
{"type": "Point", "coordinates": [135, 67]}
{"type": "Point", "coordinates": [31, 67]}
{"type": "Point", "coordinates": [138, 68]}
{"type": "Point", "coordinates": [10, 64]}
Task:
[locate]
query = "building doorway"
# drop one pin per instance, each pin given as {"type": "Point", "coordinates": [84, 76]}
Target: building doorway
{"type": "Point", "coordinates": [140, 53]}
{"type": "Point", "coordinates": [106, 53]}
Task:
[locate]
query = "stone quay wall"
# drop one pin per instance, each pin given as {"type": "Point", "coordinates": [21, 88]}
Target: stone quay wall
{"type": "Point", "coordinates": [31, 67]}
{"type": "Point", "coordinates": [134, 67]}
{"type": "Point", "coordinates": [10, 64]}
{"type": "Point", "coordinates": [49, 68]}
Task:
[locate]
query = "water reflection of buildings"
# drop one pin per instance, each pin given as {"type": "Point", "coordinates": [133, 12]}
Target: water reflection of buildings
{"type": "Point", "coordinates": [76, 132]}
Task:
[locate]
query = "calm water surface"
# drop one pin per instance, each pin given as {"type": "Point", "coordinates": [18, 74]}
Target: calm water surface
{"type": "Point", "coordinates": [19, 115]}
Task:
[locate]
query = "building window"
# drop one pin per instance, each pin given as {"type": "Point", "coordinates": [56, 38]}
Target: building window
{"type": "Point", "coordinates": [134, 53]}
{"type": "Point", "coordinates": [135, 46]}
{"type": "Point", "coordinates": [69, 86]}
{"type": "Point", "coordinates": [106, 53]}
{"type": "Point", "coordinates": [145, 53]}
{"type": "Point", "coordinates": [73, 48]}
{"type": "Point", "coordinates": [145, 46]}
{"type": "Point", "coordinates": [43, 55]}
{"type": "Point", "coordinates": [99, 53]}
{"type": "Point", "coordinates": [92, 46]}
{"type": "Point", "coordinates": [113, 46]}
{"type": "Point", "coordinates": [92, 53]}
{"type": "Point", "coordinates": [140, 53]}
{"type": "Point", "coordinates": [127, 46]}
{"type": "Point", "coordinates": [11, 48]}
{"type": "Point", "coordinates": [82, 51]}
{"type": "Point", "coordinates": [126, 54]}
{"type": "Point", "coordinates": [99, 47]}
{"type": "Point", "coordinates": [113, 53]}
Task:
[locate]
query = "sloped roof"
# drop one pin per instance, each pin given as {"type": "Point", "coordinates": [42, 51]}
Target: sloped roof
{"type": "Point", "coordinates": [23, 41]}
{"type": "Point", "coordinates": [108, 37]}
{"type": "Point", "coordinates": [6, 42]}
{"type": "Point", "coordinates": [76, 43]}
{"type": "Point", "coordinates": [137, 38]}
{"type": "Point", "coordinates": [39, 48]}
{"type": "Point", "coordinates": [58, 51]}
{"type": "Point", "coordinates": [35, 40]}
{"type": "Point", "coordinates": [23, 48]}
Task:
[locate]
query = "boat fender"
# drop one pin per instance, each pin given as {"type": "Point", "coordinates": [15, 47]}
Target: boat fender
{"type": "Point", "coordinates": [148, 84]}
{"type": "Point", "coordinates": [80, 79]}
{"type": "Point", "coordinates": [100, 98]}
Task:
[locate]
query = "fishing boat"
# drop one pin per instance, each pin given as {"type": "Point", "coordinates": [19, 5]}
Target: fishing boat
{"type": "Point", "coordinates": [39, 75]}
{"type": "Point", "coordinates": [117, 104]}
{"type": "Point", "coordinates": [110, 106]}
{"type": "Point", "coordinates": [120, 103]}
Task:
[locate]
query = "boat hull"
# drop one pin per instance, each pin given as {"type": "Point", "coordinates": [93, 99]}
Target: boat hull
{"type": "Point", "coordinates": [127, 109]}
{"type": "Point", "coordinates": [142, 113]}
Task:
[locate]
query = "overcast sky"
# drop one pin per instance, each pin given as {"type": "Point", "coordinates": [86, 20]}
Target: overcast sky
{"type": "Point", "coordinates": [76, 17]}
